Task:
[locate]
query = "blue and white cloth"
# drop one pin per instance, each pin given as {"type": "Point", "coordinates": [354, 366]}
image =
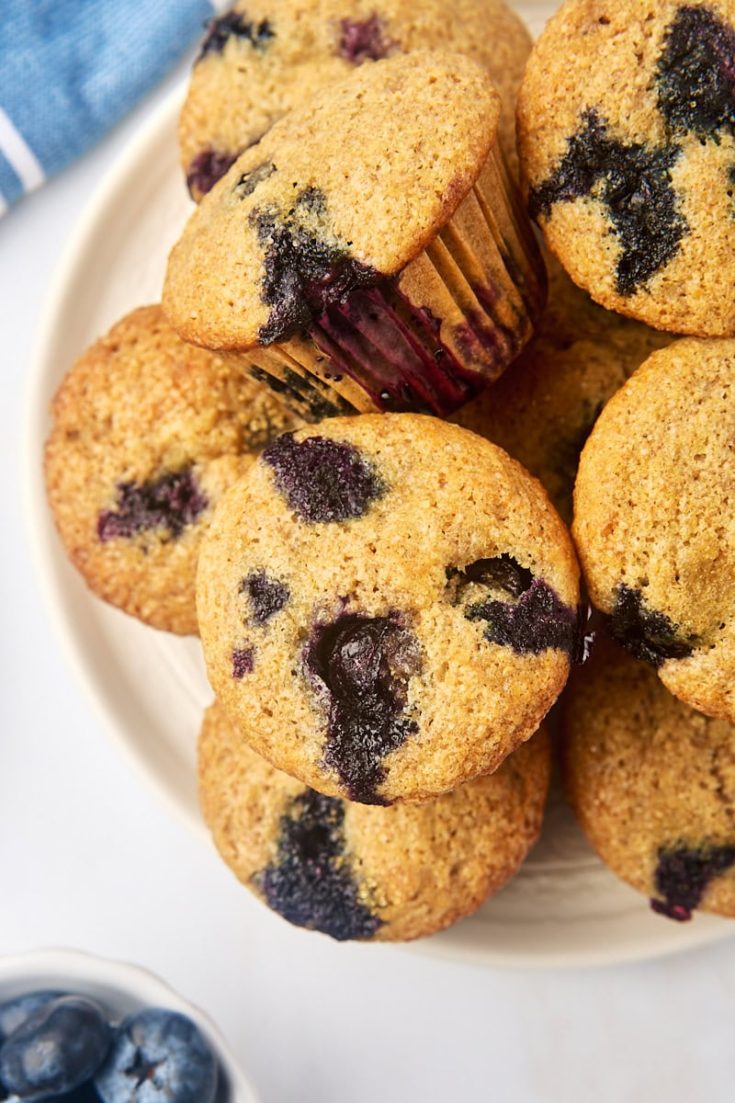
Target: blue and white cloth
{"type": "Point", "coordinates": [70, 69]}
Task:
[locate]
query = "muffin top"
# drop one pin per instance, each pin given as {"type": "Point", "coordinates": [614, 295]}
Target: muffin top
{"type": "Point", "coordinates": [387, 606]}
{"type": "Point", "coordinates": [354, 872]}
{"type": "Point", "coordinates": [654, 519]}
{"type": "Point", "coordinates": [653, 785]}
{"type": "Point", "coordinates": [627, 141]}
{"type": "Point", "coordinates": [147, 432]}
{"type": "Point", "coordinates": [542, 410]}
{"type": "Point", "coordinates": [260, 60]}
{"type": "Point", "coordinates": [344, 191]}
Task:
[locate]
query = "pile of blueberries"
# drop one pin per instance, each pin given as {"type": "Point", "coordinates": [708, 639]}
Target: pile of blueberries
{"type": "Point", "coordinates": [55, 1046]}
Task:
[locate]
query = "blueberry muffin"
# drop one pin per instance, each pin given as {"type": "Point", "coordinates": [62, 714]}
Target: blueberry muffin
{"type": "Point", "coordinates": [541, 411]}
{"type": "Point", "coordinates": [652, 783]}
{"type": "Point", "coordinates": [260, 59]}
{"type": "Point", "coordinates": [353, 872]}
{"type": "Point", "coordinates": [627, 142]}
{"type": "Point", "coordinates": [147, 433]}
{"type": "Point", "coordinates": [654, 519]}
{"type": "Point", "coordinates": [370, 244]}
{"type": "Point", "coordinates": [388, 606]}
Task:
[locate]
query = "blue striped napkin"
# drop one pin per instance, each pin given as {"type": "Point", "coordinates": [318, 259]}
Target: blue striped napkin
{"type": "Point", "coordinates": [70, 69]}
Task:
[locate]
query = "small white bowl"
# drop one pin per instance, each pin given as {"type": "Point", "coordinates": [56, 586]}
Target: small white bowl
{"type": "Point", "coordinates": [120, 989]}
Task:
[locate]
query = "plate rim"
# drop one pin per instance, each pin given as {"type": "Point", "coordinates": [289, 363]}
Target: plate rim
{"type": "Point", "coordinates": [46, 557]}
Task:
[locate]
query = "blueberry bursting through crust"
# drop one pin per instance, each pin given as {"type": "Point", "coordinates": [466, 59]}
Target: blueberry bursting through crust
{"type": "Point", "coordinates": [683, 874]}
{"type": "Point", "coordinates": [168, 503]}
{"type": "Point", "coordinates": [310, 882]}
{"type": "Point", "coordinates": [531, 619]}
{"type": "Point", "coordinates": [324, 481]}
{"type": "Point", "coordinates": [362, 666]}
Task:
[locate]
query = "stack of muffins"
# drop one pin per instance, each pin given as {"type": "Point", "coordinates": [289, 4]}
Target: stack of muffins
{"type": "Point", "coordinates": [343, 450]}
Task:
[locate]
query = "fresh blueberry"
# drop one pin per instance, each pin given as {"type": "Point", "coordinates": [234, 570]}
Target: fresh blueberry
{"type": "Point", "coordinates": [363, 665]}
{"type": "Point", "coordinates": [645, 633]}
{"type": "Point", "coordinates": [303, 272]}
{"type": "Point", "coordinates": [267, 596]}
{"type": "Point", "coordinates": [363, 40]}
{"type": "Point", "coordinates": [57, 1049]}
{"type": "Point", "coordinates": [235, 25]}
{"type": "Point", "coordinates": [634, 184]}
{"type": "Point", "coordinates": [158, 1057]}
{"type": "Point", "coordinates": [170, 502]}
{"type": "Point", "coordinates": [695, 78]}
{"type": "Point", "coordinates": [323, 480]}
{"type": "Point", "coordinates": [683, 874]}
{"type": "Point", "coordinates": [13, 1013]}
{"type": "Point", "coordinates": [310, 884]}
{"type": "Point", "coordinates": [207, 168]}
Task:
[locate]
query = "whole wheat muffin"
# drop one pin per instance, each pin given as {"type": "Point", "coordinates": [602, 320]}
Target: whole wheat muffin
{"type": "Point", "coordinates": [654, 519]}
{"type": "Point", "coordinates": [261, 59]}
{"type": "Point", "coordinates": [371, 244]}
{"type": "Point", "coordinates": [653, 785]}
{"type": "Point", "coordinates": [352, 872]}
{"type": "Point", "coordinates": [627, 141]}
{"type": "Point", "coordinates": [542, 410]}
{"type": "Point", "coordinates": [388, 606]}
{"type": "Point", "coordinates": [147, 433]}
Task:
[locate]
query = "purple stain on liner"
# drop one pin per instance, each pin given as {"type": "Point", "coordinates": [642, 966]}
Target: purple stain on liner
{"type": "Point", "coordinates": [243, 661]}
{"type": "Point", "coordinates": [363, 40]}
{"type": "Point", "coordinates": [170, 502]}
{"type": "Point", "coordinates": [324, 481]}
{"type": "Point", "coordinates": [394, 351]}
{"type": "Point", "coordinates": [683, 874]}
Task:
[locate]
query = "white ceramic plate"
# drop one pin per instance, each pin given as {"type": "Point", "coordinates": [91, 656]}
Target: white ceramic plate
{"type": "Point", "coordinates": [564, 908]}
{"type": "Point", "coordinates": [121, 989]}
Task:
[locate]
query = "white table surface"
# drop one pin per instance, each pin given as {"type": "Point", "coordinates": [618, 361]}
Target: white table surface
{"type": "Point", "coordinates": [88, 859]}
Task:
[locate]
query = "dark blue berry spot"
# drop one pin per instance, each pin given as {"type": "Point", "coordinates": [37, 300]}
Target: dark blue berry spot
{"type": "Point", "coordinates": [364, 665]}
{"type": "Point", "coordinates": [645, 633]}
{"type": "Point", "coordinates": [310, 883]}
{"type": "Point", "coordinates": [267, 596]}
{"type": "Point", "coordinates": [235, 24]}
{"type": "Point", "coordinates": [170, 502]}
{"type": "Point", "coordinates": [531, 623]}
{"type": "Point", "coordinates": [243, 659]}
{"type": "Point", "coordinates": [634, 184]}
{"type": "Point", "coordinates": [323, 480]}
{"type": "Point", "coordinates": [683, 874]}
{"type": "Point", "coordinates": [207, 168]}
{"type": "Point", "coordinates": [539, 620]}
{"type": "Point", "coordinates": [695, 76]}
{"type": "Point", "coordinates": [363, 40]}
{"type": "Point", "coordinates": [304, 271]}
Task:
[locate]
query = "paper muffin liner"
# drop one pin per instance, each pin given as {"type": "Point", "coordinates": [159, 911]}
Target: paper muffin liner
{"type": "Point", "coordinates": [433, 337]}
